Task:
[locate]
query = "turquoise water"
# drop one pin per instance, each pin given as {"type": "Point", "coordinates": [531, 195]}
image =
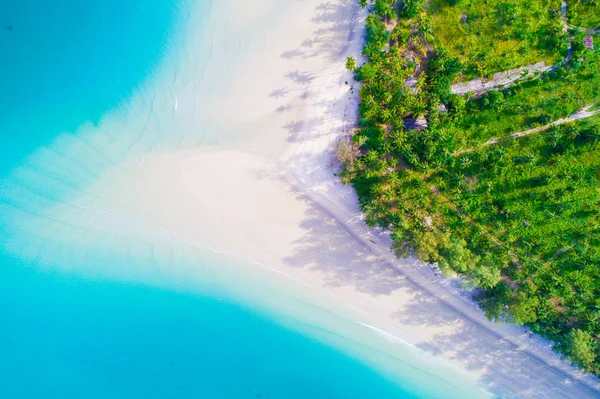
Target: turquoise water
{"type": "Point", "coordinates": [69, 63]}
{"type": "Point", "coordinates": [66, 337]}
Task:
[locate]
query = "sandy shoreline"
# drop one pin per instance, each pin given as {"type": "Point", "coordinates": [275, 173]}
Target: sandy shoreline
{"type": "Point", "coordinates": [311, 228]}
{"type": "Point", "coordinates": [340, 255]}
{"type": "Point", "coordinates": [269, 196]}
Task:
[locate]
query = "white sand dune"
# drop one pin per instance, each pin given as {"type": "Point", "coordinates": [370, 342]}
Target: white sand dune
{"type": "Point", "coordinates": [262, 188]}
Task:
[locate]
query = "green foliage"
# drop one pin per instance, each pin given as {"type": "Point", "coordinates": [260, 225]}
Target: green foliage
{"type": "Point", "coordinates": [428, 245]}
{"type": "Point", "coordinates": [385, 9]}
{"type": "Point", "coordinates": [529, 103]}
{"type": "Point", "coordinates": [443, 71]}
{"type": "Point", "coordinates": [410, 8]}
{"type": "Point", "coordinates": [377, 36]}
{"type": "Point", "coordinates": [584, 13]}
{"type": "Point", "coordinates": [581, 348]}
{"type": "Point", "coordinates": [350, 63]}
{"type": "Point", "coordinates": [496, 35]}
{"type": "Point", "coordinates": [524, 307]}
{"type": "Point", "coordinates": [457, 257]}
{"type": "Point", "coordinates": [518, 218]}
{"type": "Point", "coordinates": [484, 274]}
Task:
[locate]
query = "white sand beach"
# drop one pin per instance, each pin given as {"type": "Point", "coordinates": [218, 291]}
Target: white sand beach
{"type": "Point", "coordinates": [270, 196]}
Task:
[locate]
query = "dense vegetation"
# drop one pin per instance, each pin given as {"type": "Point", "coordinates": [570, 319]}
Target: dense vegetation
{"type": "Point", "coordinates": [496, 35]}
{"type": "Point", "coordinates": [518, 218]}
{"type": "Point", "coordinates": [529, 103]}
{"type": "Point", "coordinates": [584, 14]}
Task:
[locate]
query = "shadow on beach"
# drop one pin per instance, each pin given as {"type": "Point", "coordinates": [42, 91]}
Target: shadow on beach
{"type": "Point", "coordinates": [336, 24]}
{"type": "Point", "coordinates": [506, 368]}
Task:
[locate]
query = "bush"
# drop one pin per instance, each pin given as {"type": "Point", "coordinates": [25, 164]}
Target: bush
{"type": "Point", "coordinates": [581, 348]}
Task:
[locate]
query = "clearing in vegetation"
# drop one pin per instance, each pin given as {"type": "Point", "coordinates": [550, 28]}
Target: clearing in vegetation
{"type": "Point", "coordinates": [527, 104]}
{"type": "Point", "coordinates": [496, 35]}
{"type": "Point", "coordinates": [584, 14]}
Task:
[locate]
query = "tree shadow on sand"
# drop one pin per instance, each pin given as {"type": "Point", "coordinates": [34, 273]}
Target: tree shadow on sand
{"type": "Point", "coordinates": [344, 260]}
{"type": "Point", "coordinates": [301, 78]}
{"type": "Point", "coordinates": [335, 29]}
{"type": "Point", "coordinates": [510, 367]}
{"type": "Point", "coordinates": [327, 248]}
{"type": "Point", "coordinates": [506, 367]}
{"type": "Point", "coordinates": [278, 93]}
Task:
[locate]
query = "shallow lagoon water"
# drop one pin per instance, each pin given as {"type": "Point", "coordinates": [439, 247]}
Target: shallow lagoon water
{"type": "Point", "coordinates": [93, 313]}
{"type": "Point", "coordinates": [68, 62]}
{"type": "Point", "coordinates": [66, 336]}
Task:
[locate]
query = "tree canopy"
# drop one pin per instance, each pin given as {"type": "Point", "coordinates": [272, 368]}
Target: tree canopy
{"type": "Point", "coordinates": [518, 217]}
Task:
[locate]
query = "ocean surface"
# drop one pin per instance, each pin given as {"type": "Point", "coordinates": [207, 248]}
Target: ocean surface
{"type": "Point", "coordinates": [64, 336]}
{"type": "Point", "coordinates": [98, 306]}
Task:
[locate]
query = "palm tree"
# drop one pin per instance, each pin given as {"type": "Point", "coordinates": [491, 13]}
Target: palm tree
{"type": "Point", "coordinates": [350, 64]}
{"type": "Point", "coordinates": [393, 179]}
{"type": "Point", "coordinates": [371, 156]}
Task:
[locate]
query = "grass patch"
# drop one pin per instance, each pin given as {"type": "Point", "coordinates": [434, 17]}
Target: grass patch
{"type": "Point", "coordinates": [496, 35]}
{"type": "Point", "coordinates": [584, 14]}
{"type": "Point", "coordinates": [527, 105]}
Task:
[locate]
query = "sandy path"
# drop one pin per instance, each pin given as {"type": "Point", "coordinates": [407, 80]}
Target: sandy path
{"type": "Point", "coordinates": [500, 79]}
{"type": "Point", "coordinates": [583, 113]}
